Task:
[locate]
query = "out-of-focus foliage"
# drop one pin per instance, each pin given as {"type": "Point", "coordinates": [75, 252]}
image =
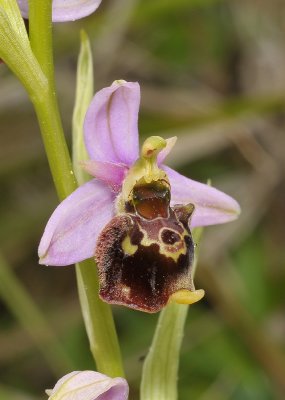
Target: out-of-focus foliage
{"type": "Point", "coordinates": [212, 72]}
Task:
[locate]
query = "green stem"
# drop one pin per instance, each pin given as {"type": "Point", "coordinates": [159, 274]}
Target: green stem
{"type": "Point", "coordinates": [103, 339]}
{"type": "Point", "coordinates": [46, 106]}
{"type": "Point", "coordinates": [55, 144]}
{"type": "Point", "coordinates": [40, 33]}
{"type": "Point", "coordinates": [98, 321]}
{"type": "Point", "coordinates": [30, 317]}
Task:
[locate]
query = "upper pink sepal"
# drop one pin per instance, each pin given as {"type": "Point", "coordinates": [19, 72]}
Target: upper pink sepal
{"type": "Point", "coordinates": [111, 124]}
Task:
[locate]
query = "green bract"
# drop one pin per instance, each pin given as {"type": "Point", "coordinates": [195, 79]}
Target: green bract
{"type": "Point", "coordinates": [16, 51]}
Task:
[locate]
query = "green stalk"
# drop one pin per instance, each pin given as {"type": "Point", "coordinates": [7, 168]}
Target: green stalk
{"type": "Point", "coordinates": [99, 321]}
{"type": "Point", "coordinates": [30, 317]}
{"type": "Point", "coordinates": [160, 370]}
{"type": "Point", "coordinates": [45, 104]}
{"type": "Point", "coordinates": [55, 144]}
{"type": "Point", "coordinates": [40, 32]}
{"type": "Point", "coordinates": [100, 328]}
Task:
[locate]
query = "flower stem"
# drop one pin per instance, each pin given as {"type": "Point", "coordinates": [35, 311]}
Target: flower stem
{"type": "Point", "coordinates": [40, 33]}
{"type": "Point", "coordinates": [45, 104]}
{"type": "Point", "coordinates": [55, 144]}
{"type": "Point", "coordinates": [98, 321]}
{"type": "Point", "coordinates": [100, 328]}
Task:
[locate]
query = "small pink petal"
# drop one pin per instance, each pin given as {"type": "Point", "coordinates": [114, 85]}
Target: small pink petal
{"type": "Point", "coordinates": [65, 10]}
{"type": "Point", "coordinates": [72, 230]}
{"type": "Point", "coordinates": [89, 385]}
{"type": "Point", "coordinates": [111, 124]}
{"type": "Point", "coordinates": [111, 173]}
{"type": "Point", "coordinates": [211, 205]}
{"type": "Point", "coordinates": [170, 143]}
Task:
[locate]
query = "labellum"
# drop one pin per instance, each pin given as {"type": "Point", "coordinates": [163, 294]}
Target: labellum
{"type": "Point", "coordinates": [145, 253]}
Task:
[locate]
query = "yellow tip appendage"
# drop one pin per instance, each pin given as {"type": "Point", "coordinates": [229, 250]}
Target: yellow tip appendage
{"type": "Point", "coordinates": [185, 296]}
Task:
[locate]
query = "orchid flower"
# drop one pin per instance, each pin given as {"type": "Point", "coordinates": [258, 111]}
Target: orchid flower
{"type": "Point", "coordinates": [65, 10]}
{"type": "Point", "coordinates": [89, 385]}
{"type": "Point", "coordinates": [135, 215]}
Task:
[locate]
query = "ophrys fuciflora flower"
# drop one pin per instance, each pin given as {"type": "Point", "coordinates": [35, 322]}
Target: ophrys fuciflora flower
{"type": "Point", "coordinates": [135, 216]}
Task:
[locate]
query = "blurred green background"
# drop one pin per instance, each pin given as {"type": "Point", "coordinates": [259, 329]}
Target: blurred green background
{"type": "Point", "coordinates": [212, 72]}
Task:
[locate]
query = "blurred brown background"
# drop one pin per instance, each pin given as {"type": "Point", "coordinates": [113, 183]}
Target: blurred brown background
{"type": "Point", "coordinates": [212, 72]}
